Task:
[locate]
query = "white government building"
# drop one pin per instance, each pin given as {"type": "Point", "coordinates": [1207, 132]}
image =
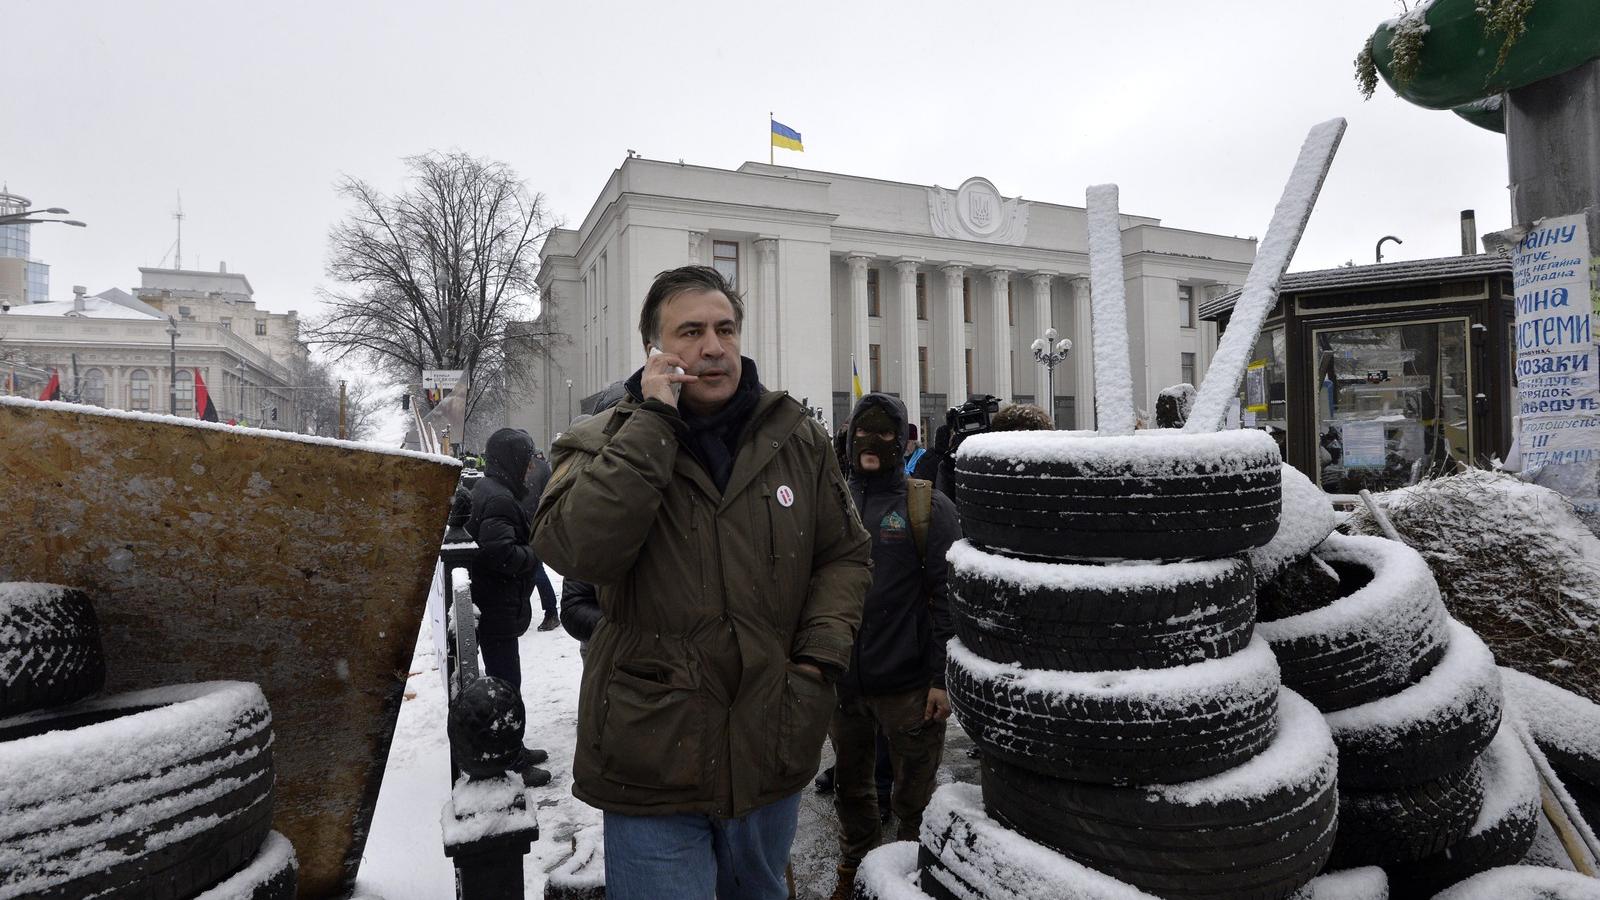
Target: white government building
{"type": "Point", "coordinates": [937, 293]}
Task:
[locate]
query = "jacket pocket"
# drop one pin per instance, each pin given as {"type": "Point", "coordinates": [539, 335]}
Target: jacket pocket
{"type": "Point", "coordinates": [654, 730]}
{"type": "Point", "coordinates": [808, 702]}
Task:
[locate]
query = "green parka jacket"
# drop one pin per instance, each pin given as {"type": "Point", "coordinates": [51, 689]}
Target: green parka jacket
{"type": "Point", "coordinates": [691, 702]}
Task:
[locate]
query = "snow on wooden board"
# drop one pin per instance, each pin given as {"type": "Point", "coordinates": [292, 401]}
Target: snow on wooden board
{"type": "Point", "coordinates": [1108, 306]}
{"type": "Point", "coordinates": [1260, 289]}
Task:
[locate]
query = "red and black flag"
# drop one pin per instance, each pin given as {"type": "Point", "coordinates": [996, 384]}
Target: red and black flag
{"type": "Point", "coordinates": [203, 407]}
{"type": "Point", "coordinates": [52, 391]}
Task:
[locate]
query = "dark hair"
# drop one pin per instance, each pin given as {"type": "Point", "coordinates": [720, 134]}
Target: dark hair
{"type": "Point", "coordinates": [673, 282]}
{"type": "Point", "coordinates": [1021, 417]}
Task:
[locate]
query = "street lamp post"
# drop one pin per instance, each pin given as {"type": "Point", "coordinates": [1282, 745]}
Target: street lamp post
{"type": "Point", "coordinates": [1050, 353]}
{"type": "Point", "coordinates": [569, 400]}
{"type": "Point", "coordinates": [172, 368]}
{"type": "Point", "coordinates": [240, 416]}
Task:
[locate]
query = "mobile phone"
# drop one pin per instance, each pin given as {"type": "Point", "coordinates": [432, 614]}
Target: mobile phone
{"type": "Point", "coordinates": [676, 387]}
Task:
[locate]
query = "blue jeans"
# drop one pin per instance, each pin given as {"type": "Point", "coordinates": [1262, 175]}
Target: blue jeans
{"type": "Point", "coordinates": [695, 857]}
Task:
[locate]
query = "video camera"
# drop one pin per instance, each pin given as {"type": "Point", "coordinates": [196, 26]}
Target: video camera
{"type": "Point", "coordinates": [972, 417]}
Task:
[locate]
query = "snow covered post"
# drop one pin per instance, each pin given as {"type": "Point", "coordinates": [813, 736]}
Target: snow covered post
{"type": "Point", "coordinates": [1260, 290]}
{"type": "Point", "coordinates": [1113, 374]}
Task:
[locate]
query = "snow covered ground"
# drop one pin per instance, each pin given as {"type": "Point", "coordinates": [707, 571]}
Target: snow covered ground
{"type": "Point", "coordinates": [404, 858]}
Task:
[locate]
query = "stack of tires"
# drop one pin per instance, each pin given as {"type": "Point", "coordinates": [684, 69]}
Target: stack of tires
{"type": "Point", "coordinates": [1126, 715]}
{"type": "Point", "coordinates": [156, 793]}
{"type": "Point", "coordinates": [1428, 791]}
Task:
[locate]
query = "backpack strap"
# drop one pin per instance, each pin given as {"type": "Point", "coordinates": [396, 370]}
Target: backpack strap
{"type": "Point", "coordinates": [919, 506]}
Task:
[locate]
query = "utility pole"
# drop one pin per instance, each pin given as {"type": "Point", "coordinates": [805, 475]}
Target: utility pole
{"type": "Point", "coordinates": [343, 432]}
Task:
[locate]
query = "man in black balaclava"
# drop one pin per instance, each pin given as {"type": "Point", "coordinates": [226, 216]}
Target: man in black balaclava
{"type": "Point", "coordinates": [503, 571]}
{"type": "Point", "coordinates": [896, 679]}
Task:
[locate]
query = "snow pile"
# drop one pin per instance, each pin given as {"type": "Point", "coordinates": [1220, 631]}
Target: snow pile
{"type": "Point", "coordinates": [1305, 520]}
{"type": "Point", "coordinates": [1301, 755]}
{"type": "Point", "coordinates": [1173, 405]}
{"type": "Point", "coordinates": [1108, 308]}
{"type": "Point", "coordinates": [1151, 451]}
{"type": "Point", "coordinates": [1512, 561]}
{"type": "Point", "coordinates": [1365, 883]}
{"type": "Point", "coordinates": [890, 873]}
{"type": "Point", "coordinates": [485, 808]}
{"type": "Point", "coordinates": [585, 870]}
{"type": "Point", "coordinates": [1008, 865]}
{"type": "Point", "coordinates": [1523, 883]}
{"type": "Point", "coordinates": [1248, 675]}
{"type": "Point", "coordinates": [1133, 577]}
{"type": "Point", "coordinates": [1464, 683]}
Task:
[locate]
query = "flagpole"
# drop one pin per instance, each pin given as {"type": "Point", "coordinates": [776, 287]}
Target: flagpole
{"type": "Point", "coordinates": [770, 120]}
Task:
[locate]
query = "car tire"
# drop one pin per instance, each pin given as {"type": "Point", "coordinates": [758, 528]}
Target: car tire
{"type": "Point", "coordinates": [272, 875]}
{"type": "Point", "coordinates": [1524, 883]}
{"type": "Point", "coordinates": [1263, 829]}
{"type": "Point", "coordinates": [1089, 618]}
{"type": "Point", "coordinates": [1155, 495]}
{"type": "Point", "coordinates": [154, 793]}
{"type": "Point", "coordinates": [889, 873]}
{"type": "Point", "coordinates": [1134, 727]}
{"type": "Point", "coordinates": [1565, 725]}
{"type": "Point", "coordinates": [1370, 643]}
{"type": "Point", "coordinates": [1440, 724]}
{"type": "Point", "coordinates": [966, 854]}
{"type": "Point", "coordinates": [49, 647]}
{"type": "Point", "coordinates": [1502, 833]}
{"type": "Point", "coordinates": [1399, 826]}
{"type": "Point", "coordinates": [1306, 518]}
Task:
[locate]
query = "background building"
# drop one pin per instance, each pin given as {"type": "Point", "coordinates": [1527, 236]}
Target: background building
{"type": "Point", "coordinates": [113, 349]}
{"type": "Point", "coordinates": [934, 294]}
{"type": "Point", "coordinates": [22, 279]}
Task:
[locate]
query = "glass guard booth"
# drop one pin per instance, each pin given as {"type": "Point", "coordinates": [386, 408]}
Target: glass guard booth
{"type": "Point", "coordinates": [1372, 376]}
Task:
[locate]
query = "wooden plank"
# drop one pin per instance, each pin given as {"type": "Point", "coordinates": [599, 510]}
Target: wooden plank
{"type": "Point", "coordinates": [229, 553]}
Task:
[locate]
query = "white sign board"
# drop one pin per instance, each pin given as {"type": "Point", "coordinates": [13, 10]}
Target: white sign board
{"type": "Point", "coordinates": [440, 379]}
{"type": "Point", "coordinates": [1558, 384]}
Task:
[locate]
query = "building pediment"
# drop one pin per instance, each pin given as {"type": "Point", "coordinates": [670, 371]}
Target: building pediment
{"type": "Point", "coordinates": [976, 212]}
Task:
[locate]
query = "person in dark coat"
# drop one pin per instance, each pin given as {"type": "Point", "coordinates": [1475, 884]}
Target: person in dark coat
{"type": "Point", "coordinates": [538, 476]}
{"type": "Point", "coordinates": [503, 571]}
{"type": "Point", "coordinates": [580, 605]}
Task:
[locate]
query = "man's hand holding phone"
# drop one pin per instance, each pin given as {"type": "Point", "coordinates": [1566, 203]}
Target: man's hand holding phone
{"type": "Point", "coordinates": [663, 377]}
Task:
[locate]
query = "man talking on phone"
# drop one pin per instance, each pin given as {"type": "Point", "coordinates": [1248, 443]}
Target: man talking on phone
{"type": "Point", "coordinates": [731, 566]}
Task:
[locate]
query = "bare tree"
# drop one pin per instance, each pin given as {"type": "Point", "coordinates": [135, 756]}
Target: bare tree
{"type": "Point", "coordinates": [433, 275]}
{"type": "Point", "coordinates": [317, 398]}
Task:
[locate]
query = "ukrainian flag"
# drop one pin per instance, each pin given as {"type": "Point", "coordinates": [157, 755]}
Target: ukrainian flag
{"type": "Point", "coordinates": [855, 379]}
{"type": "Point", "coordinates": [786, 137]}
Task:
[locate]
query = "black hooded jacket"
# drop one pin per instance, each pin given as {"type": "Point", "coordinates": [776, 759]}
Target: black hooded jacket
{"type": "Point", "coordinates": [503, 572]}
{"type": "Point", "coordinates": [905, 622]}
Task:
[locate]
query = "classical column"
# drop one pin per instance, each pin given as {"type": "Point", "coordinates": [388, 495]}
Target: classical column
{"type": "Point", "coordinates": [697, 243]}
{"type": "Point", "coordinates": [910, 383]}
{"type": "Point", "coordinates": [767, 301]}
{"type": "Point", "coordinates": [1041, 322]}
{"type": "Point", "coordinates": [858, 319]}
{"type": "Point", "coordinates": [1000, 290]}
{"type": "Point", "coordinates": [955, 337]}
{"type": "Point", "coordinates": [1083, 354]}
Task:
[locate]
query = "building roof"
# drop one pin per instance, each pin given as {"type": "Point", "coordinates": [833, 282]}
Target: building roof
{"type": "Point", "coordinates": [1354, 277]}
{"type": "Point", "coordinates": [97, 307]}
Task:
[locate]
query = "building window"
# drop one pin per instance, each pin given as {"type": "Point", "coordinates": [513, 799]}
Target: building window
{"type": "Point", "coordinates": [185, 312]}
{"type": "Point", "coordinates": [922, 369]}
{"type": "Point", "coordinates": [1186, 306]}
{"type": "Point", "coordinates": [966, 302]}
{"type": "Point", "coordinates": [874, 367]}
{"type": "Point", "coordinates": [969, 372]}
{"type": "Point", "coordinates": [725, 259]}
{"type": "Point", "coordinates": [1186, 367]}
{"type": "Point", "coordinates": [183, 384]}
{"type": "Point", "coordinates": [922, 297]}
{"type": "Point", "coordinates": [261, 328]}
{"type": "Point", "coordinates": [227, 323]}
{"type": "Point", "coordinates": [139, 389]}
{"type": "Point", "coordinates": [872, 293]}
{"type": "Point", "coordinates": [94, 387]}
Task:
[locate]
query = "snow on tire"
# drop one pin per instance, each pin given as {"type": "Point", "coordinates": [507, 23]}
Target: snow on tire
{"type": "Point", "coordinates": [1126, 727]}
{"type": "Point", "coordinates": [1503, 831]}
{"type": "Point", "coordinates": [1152, 495]}
{"type": "Point", "coordinates": [49, 647]}
{"type": "Point", "coordinates": [161, 792]}
{"type": "Point", "coordinates": [1306, 519]}
{"type": "Point", "coordinates": [1404, 824]}
{"type": "Point", "coordinates": [1524, 883]}
{"type": "Point", "coordinates": [965, 854]}
{"type": "Point", "coordinates": [889, 873]}
{"type": "Point", "coordinates": [273, 875]}
{"type": "Point", "coordinates": [1364, 883]}
{"type": "Point", "coordinates": [1091, 618]}
{"type": "Point", "coordinates": [1565, 725]}
{"type": "Point", "coordinates": [1372, 643]}
{"type": "Point", "coordinates": [1261, 830]}
{"type": "Point", "coordinates": [1440, 724]}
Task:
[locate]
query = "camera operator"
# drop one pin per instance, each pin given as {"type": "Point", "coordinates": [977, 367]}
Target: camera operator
{"type": "Point", "coordinates": [980, 415]}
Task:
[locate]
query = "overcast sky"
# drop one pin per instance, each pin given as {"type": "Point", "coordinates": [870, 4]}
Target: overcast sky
{"type": "Point", "coordinates": [253, 111]}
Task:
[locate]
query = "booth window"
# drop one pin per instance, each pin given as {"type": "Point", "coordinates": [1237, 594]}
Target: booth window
{"type": "Point", "coordinates": [1392, 403]}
